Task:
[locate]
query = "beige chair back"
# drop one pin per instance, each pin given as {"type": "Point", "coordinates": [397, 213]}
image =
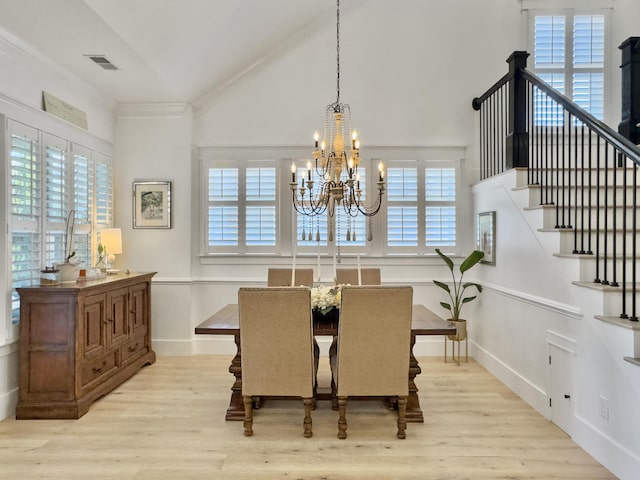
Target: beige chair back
{"type": "Point", "coordinates": [374, 338]}
{"type": "Point", "coordinates": [276, 341]}
{"type": "Point", "coordinates": [281, 277]}
{"type": "Point", "coordinates": [369, 276]}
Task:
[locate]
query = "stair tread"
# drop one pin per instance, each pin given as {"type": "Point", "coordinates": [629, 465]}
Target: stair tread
{"type": "Point", "coordinates": [621, 322]}
{"type": "Point", "coordinates": [634, 360]}
{"type": "Point", "coordinates": [591, 256]}
{"type": "Point", "coordinates": [601, 287]}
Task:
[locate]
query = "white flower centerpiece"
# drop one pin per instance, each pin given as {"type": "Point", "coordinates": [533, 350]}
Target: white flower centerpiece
{"type": "Point", "coordinates": [324, 298]}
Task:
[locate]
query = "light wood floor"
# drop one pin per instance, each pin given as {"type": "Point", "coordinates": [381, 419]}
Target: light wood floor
{"type": "Point", "coordinates": [168, 423]}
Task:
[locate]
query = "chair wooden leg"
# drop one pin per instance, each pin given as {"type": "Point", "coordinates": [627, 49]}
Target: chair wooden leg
{"type": "Point", "coordinates": [248, 416]}
{"type": "Point", "coordinates": [402, 420]}
{"type": "Point", "coordinates": [308, 403]}
{"type": "Point", "coordinates": [333, 352]}
{"type": "Point", "coordinates": [342, 420]}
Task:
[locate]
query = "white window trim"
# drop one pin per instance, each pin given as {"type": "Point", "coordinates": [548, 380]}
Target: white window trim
{"type": "Point", "coordinates": [451, 156]}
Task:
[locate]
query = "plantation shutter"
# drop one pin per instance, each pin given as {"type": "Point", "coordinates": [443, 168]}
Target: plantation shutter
{"type": "Point", "coordinates": [26, 211]}
{"type": "Point", "coordinates": [103, 190]}
{"type": "Point", "coordinates": [82, 202]}
{"type": "Point", "coordinates": [402, 210]}
{"type": "Point", "coordinates": [223, 188]}
{"type": "Point", "coordinates": [260, 206]}
{"type": "Point", "coordinates": [57, 205]}
{"type": "Point", "coordinates": [440, 210]}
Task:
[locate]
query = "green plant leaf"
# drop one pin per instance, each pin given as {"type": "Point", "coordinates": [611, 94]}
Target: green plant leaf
{"type": "Point", "coordinates": [446, 305]}
{"type": "Point", "coordinates": [472, 284]}
{"type": "Point", "coordinates": [473, 258]}
{"type": "Point", "coordinates": [446, 259]}
{"type": "Point", "coordinates": [442, 285]}
{"type": "Point", "coordinates": [468, 299]}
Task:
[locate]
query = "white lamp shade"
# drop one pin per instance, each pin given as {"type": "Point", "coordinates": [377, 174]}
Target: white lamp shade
{"type": "Point", "coordinates": [111, 239]}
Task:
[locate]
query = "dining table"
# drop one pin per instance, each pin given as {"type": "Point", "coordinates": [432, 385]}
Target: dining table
{"type": "Point", "coordinates": [226, 322]}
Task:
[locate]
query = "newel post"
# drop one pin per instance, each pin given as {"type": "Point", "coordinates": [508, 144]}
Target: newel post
{"type": "Point", "coordinates": [630, 125]}
{"type": "Point", "coordinates": [517, 138]}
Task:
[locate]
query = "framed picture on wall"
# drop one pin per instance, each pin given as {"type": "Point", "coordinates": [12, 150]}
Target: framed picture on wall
{"type": "Point", "coordinates": [486, 236]}
{"type": "Point", "coordinates": [151, 204]}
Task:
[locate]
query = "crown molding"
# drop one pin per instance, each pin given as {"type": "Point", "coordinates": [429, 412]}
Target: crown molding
{"type": "Point", "coordinates": [153, 110]}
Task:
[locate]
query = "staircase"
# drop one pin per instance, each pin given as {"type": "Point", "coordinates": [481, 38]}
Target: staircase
{"type": "Point", "coordinates": [579, 181]}
{"type": "Point", "coordinates": [570, 234]}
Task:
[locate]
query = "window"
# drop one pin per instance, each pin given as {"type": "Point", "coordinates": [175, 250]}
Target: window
{"type": "Point", "coordinates": [50, 177]}
{"type": "Point", "coordinates": [421, 211]}
{"type": "Point", "coordinates": [569, 55]}
{"type": "Point", "coordinates": [248, 210]}
{"type": "Point", "coordinates": [241, 207]}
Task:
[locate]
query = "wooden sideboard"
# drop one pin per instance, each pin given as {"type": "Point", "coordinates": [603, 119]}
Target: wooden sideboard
{"type": "Point", "coordinates": [79, 342]}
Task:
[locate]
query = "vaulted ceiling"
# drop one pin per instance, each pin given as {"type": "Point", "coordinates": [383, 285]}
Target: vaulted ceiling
{"type": "Point", "coordinates": [165, 50]}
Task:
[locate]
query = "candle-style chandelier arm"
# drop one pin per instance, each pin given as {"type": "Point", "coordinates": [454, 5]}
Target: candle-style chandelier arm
{"type": "Point", "coordinates": [355, 206]}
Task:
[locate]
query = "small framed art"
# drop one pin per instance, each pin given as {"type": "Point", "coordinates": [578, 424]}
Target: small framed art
{"type": "Point", "coordinates": [152, 204]}
{"type": "Point", "coordinates": [486, 236]}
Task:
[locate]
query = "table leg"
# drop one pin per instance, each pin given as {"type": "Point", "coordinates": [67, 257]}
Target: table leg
{"type": "Point", "coordinates": [236, 404]}
{"type": "Point", "coordinates": [414, 412]}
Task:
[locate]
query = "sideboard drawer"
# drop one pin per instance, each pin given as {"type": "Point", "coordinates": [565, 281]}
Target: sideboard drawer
{"type": "Point", "coordinates": [133, 349]}
{"type": "Point", "coordinates": [97, 368]}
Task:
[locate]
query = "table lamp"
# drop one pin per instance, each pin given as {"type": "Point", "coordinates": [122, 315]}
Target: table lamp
{"type": "Point", "coordinates": [111, 239]}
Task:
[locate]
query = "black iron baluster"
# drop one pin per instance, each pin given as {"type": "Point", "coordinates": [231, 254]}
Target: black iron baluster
{"type": "Point", "coordinates": [614, 226]}
{"type": "Point", "coordinates": [597, 279]}
{"type": "Point", "coordinates": [605, 235]}
{"type": "Point", "coordinates": [575, 188]}
{"type": "Point", "coordinates": [623, 314]}
{"type": "Point", "coordinates": [634, 251]}
{"type": "Point", "coordinates": [582, 188]}
{"type": "Point", "coordinates": [589, 194]}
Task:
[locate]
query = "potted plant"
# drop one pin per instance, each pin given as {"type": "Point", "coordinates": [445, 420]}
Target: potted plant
{"type": "Point", "coordinates": [457, 289]}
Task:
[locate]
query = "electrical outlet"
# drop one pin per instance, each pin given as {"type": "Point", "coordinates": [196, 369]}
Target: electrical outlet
{"type": "Point", "coordinates": [604, 407]}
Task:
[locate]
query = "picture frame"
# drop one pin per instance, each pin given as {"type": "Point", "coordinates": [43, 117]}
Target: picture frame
{"type": "Point", "coordinates": [486, 236]}
{"type": "Point", "coordinates": [151, 204]}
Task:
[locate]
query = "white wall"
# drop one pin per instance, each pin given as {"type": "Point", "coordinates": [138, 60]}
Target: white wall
{"type": "Point", "coordinates": [153, 142]}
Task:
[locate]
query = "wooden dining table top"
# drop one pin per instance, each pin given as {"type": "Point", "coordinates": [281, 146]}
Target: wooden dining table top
{"type": "Point", "coordinates": [226, 322]}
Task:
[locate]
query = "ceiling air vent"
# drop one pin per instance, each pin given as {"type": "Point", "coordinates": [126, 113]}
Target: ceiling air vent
{"type": "Point", "coordinates": [103, 61]}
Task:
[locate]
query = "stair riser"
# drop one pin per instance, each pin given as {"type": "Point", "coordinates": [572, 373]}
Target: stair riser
{"type": "Point", "coordinates": [602, 195]}
{"type": "Point", "coordinates": [548, 176]}
{"type": "Point", "coordinates": [567, 242]}
{"type": "Point", "coordinates": [584, 269]}
{"type": "Point", "coordinates": [577, 217]}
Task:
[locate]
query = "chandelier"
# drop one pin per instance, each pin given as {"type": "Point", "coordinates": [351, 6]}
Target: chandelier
{"type": "Point", "coordinates": [336, 164]}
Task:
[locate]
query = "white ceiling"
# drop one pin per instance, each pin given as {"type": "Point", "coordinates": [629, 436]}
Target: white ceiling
{"type": "Point", "coordinates": [166, 50]}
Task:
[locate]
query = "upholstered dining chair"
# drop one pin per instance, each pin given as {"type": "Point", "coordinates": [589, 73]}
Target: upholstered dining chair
{"type": "Point", "coordinates": [281, 277]}
{"type": "Point", "coordinates": [368, 276]}
{"type": "Point", "coordinates": [349, 276]}
{"type": "Point", "coordinates": [374, 341]}
{"type": "Point", "coordinates": [276, 347]}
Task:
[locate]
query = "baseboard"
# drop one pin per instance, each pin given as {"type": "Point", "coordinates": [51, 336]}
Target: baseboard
{"type": "Point", "coordinates": [172, 347]}
{"type": "Point", "coordinates": [623, 463]}
{"type": "Point", "coordinates": [535, 396]}
{"type": "Point", "coordinates": [8, 402]}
